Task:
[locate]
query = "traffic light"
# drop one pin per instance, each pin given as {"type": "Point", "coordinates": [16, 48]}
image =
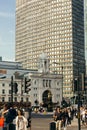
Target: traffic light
{"type": "Point", "coordinates": [27, 84]}
{"type": "Point", "coordinates": [15, 88]}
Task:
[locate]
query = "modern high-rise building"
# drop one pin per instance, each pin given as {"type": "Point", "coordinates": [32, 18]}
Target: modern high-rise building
{"type": "Point", "coordinates": [55, 27]}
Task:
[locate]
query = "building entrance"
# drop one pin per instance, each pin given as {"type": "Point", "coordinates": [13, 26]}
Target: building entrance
{"type": "Point", "coordinates": [47, 100]}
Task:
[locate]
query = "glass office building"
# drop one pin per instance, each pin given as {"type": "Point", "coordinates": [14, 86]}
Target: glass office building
{"type": "Point", "coordinates": [55, 27]}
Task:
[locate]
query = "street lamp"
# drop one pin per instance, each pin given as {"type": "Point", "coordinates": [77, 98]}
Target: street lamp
{"type": "Point", "coordinates": [79, 126]}
{"type": "Point", "coordinates": [78, 93]}
{"type": "Point", "coordinates": [11, 88]}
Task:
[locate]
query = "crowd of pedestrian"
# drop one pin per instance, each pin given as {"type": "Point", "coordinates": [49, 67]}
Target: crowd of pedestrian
{"type": "Point", "coordinates": [16, 117]}
{"type": "Point", "coordinates": [65, 116]}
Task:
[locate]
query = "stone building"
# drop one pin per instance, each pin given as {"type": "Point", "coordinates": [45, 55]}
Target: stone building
{"type": "Point", "coordinates": [46, 86]}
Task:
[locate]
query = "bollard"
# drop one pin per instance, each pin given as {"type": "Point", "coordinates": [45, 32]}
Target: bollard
{"type": "Point", "coordinates": [53, 125]}
{"type": "Point", "coordinates": [11, 127]}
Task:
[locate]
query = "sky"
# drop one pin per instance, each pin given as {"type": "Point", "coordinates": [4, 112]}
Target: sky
{"type": "Point", "coordinates": [7, 30]}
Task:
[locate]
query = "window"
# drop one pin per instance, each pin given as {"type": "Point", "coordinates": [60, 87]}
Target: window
{"type": "Point", "coordinates": [9, 91]}
{"type": "Point", "coordinates": [21, 99]}
{"type": "Point", "coordinates": [10, 85]}
{"type": "Point", "coordinates": [9, 99]}
{"type": "Point", "coordinates": [44, 83]}
{"type": "Point", "coordinates": [49, 83]}
{"type": "Point", "coordinates": [3, 84]}
{"type": "Point", "coordinates": [15, 99]}
{"type": "Point", "coordinates": [3, 99]}
{"type": "Point", "coordinates": [27, 100]}
{"type": "Point", "coordinates": [3, 91]}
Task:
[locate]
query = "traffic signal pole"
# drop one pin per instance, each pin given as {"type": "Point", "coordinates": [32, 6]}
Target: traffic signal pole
{"type": "Point", "coordinates": [11, 88]}
{"type": "Point", "coordinates": [79, 125]}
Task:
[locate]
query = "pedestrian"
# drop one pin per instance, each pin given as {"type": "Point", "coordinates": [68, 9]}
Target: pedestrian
{"type": "Point", "coordinates": [58, 117]}
{"type": "Point", "coordinates": [27, 114]}
{"type": "Point", "coordinates": [21, 121]}
{"type": "Point", "coordinates": [69, 117]}
{"type": "Point", "coordinates": [86, 117]}
{"type": "Point", "coordinates": [83, 117]}
{"type": "Point", "coordinates": [73, 110]}
{"type": "Point", "coordinates": [3, 114]}
{"type": "Point", "coordinates": [9, 114]}
{"type": "Point", "coordinates": [65, 117]}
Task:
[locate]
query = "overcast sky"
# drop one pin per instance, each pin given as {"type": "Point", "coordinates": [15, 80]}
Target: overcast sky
{"type": "Point", "coordinates": [7, 29]}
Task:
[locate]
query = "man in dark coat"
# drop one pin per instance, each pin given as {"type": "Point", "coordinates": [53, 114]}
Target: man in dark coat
{"type": "Point", "coordinates": [9, 116]}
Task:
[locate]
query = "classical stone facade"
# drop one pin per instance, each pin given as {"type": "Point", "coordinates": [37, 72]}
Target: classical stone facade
{"type": "Point", "coordinates": [45, 85]}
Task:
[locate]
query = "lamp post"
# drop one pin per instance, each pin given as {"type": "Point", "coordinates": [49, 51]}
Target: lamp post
{"type": "Point", "coordinates": [11, 88]}
{"type": "Point", "coordinates": [79, 126]}
{"type": "Point", "coordinates": [62, 83]}
{"type": "Point", "coordinates": [78, 93]}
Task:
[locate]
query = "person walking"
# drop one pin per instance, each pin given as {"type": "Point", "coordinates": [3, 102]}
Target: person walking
{"type": "Point", "coordinates": [3, 114]}
{"type": "Point", "coordinates": [65, 117]}
{"type": "Point", "coordinates": [58, 117]}
{"type": "Point", "coordinates": [9, 114]}
{"type": "Point", "coordinates": [69, 116]}
{"type": "Point", "coordinates": [21, 121]}
{"type": "Point", "coordinates": [86, 117]}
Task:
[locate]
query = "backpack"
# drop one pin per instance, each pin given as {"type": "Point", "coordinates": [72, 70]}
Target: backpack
{"type": "Point", "coordinates": [21, 123]}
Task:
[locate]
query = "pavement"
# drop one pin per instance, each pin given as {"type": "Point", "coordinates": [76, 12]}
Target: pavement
{"type": "Point", "coordinates": [74, 125]}
{"type": "Point", "coordinates": [44, 124]}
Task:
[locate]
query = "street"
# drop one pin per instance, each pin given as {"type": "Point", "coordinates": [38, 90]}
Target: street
{"type": "Point", "coordinates": [43, 123]}
{"type": "Point", "coordinates": [40, 123]}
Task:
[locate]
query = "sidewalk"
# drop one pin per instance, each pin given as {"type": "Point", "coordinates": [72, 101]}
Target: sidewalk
{"type": "Point", "coordinates": [74, 125]}
{"type": "Point", "coordinates": [75, 122]}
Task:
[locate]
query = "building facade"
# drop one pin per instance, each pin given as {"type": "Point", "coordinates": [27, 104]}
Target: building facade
{"type": "Point", "coordinates": [45, 87]}
{"type": "Point", "coordinates": [55, 27]}
{"type": "Point", "coordinates": [7, 70]}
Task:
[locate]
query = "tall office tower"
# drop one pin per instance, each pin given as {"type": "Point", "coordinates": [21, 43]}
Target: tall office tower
{"type": "Point", "coordinates": [54, 27]}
